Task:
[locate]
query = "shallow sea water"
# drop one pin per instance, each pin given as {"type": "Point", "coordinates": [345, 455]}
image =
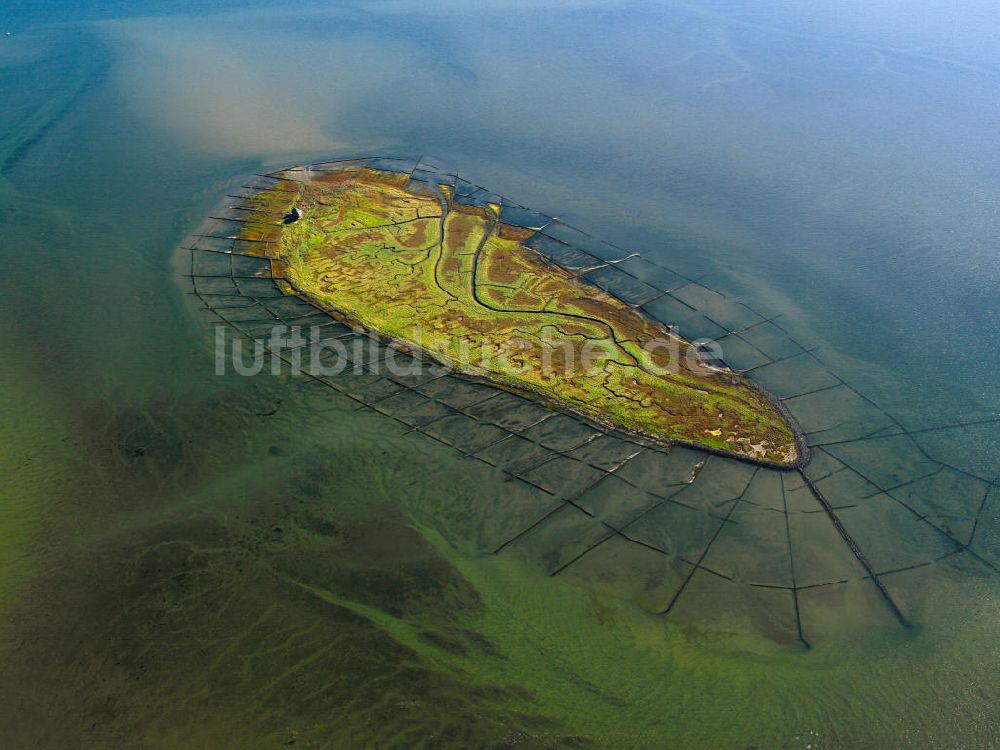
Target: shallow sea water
{"type": "Point", "coordinates": [199, 561]}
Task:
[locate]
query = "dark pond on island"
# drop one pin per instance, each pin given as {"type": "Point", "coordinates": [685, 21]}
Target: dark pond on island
{"type": "Point", "coordinates": [199, 560]}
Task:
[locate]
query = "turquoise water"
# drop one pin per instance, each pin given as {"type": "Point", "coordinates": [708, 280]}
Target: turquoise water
{"type": "Point", "coordinates": [195, 561]}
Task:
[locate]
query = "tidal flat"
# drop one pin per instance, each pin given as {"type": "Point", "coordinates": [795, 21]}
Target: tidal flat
{"type": "Point", "coordinates": [192, 560]}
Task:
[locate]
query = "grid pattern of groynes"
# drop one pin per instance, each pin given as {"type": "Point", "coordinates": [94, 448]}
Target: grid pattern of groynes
{"type": "Point", "coordinates": [699, 530]}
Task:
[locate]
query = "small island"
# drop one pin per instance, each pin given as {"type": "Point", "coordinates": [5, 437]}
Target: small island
{"type": "Point", "coordinates": [447, 279]}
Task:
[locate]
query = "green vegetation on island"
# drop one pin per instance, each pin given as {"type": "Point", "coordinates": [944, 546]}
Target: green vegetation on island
{"type": "Point", "coordinates": [454, 282]}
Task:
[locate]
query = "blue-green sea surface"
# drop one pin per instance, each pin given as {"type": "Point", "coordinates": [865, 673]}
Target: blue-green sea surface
{"type": "Point", "coordinates": [198, 561]}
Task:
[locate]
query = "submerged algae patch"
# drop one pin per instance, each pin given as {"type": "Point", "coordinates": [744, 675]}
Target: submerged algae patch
{"type": "Point", "coordinates": [416, 262]}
